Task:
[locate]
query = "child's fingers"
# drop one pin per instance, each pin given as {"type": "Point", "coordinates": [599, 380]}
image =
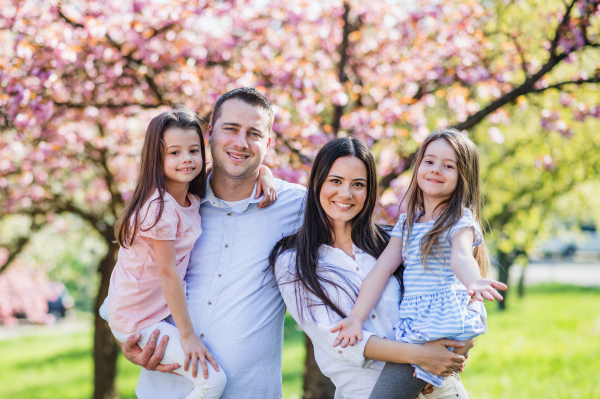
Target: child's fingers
{"type": "Point", "coordinates": [186, 362]}
{"type": "Point", "coordinates": [487, 296]}
{"type": "Point", "coordinates": [360, 336]}
{"type": "Point", "coordinates": [345, 342]}
{"type": "Point", "coordinates": [258, 190]}
{"type": "Point", "coordinates": [336, 327]}
{"type": "Point", "coordinates": [497, 295]}
{"type": "Point", "coordinates": [352, 341]}
{"type": "Point", "coordinates": [195, 365]}
{"type": "Point", "coordinates": [204, 367]}
{"type": "Point", "coordinates": [500, 286]}
{"type": "Point", "coordinates": [337, 341]}
{"type": "Point", "coordinates": [478, 296]}
{"type": "Point", "coordinates": [212, 360]}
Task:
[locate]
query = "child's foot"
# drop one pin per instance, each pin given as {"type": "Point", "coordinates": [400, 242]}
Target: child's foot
{"type": "Point", "coordinates": [452, 389]}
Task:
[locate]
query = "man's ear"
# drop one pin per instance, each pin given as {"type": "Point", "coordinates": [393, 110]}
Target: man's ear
{"type": "Point", "coordinates": [210, 132]}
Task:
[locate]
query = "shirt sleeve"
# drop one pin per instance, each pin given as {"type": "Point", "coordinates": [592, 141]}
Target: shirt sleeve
{"type": "Point", "coordinates": [164, 229]}
{"type": "Point", "coordinates": [466, 221]}
{"type": "Point", "coordinates": [317, 327]}
{"type": "Point", "coordinates": [397, 231]}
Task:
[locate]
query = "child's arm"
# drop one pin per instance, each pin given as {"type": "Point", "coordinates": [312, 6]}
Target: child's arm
{"type": "Point", "coordinates": [266, 184]}
{"type": "Point", "coordinates": [464, 265]}
{"type": "Point", "coordinates": [350, 328]}
{"type": "Point", "coordinates": [172, 288]}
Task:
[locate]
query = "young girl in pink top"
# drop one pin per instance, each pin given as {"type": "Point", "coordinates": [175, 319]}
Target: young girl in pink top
{"type": "Point", "coordinates": [157, 231]}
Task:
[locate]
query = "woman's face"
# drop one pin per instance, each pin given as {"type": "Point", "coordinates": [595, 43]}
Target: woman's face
{"type": "Point", "coordinates": [344, 192]}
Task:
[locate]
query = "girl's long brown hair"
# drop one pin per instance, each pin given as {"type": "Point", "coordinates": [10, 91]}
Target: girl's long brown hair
{"type": "Point", "coordinates": [467, 195]}
{"type": "Point", "coordinates": [151, 175]}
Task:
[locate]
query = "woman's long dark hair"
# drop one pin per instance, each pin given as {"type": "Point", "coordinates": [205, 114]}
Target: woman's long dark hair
{"type": "Point", "coordinates": [317, 230]}
{"type": "Point", "coordinates": [151, 175]}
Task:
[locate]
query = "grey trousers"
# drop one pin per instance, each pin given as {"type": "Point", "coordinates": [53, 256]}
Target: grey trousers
{"type": "Point", "coordinates": [397, 382]}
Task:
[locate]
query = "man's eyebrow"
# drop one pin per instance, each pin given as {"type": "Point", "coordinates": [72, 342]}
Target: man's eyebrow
{"type": "Point", "coordinates": [232, 124]}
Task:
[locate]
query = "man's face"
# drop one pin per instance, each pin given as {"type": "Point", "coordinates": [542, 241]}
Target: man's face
{"type": "Point", "coordinates": [239, 139]}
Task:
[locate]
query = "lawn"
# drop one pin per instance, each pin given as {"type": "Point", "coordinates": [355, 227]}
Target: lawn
{"type": "Point", "coordinates": [546, 345]}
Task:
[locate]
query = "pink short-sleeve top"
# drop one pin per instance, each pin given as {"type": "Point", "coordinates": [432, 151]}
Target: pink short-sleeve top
{"type": "Point", "coordinates": [135, 297]}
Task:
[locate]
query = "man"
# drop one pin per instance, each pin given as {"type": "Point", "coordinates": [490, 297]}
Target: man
{"type": "Point", "coordinates": [236, 312]}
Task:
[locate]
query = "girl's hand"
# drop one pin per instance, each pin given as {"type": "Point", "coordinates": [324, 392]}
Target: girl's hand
{"type": "Point", "coordinates": [266, 185]}
{"type": "Point", "coordinates": [194, 350]}
{"type": "Point", "coordinates": [350, 330]}
{"type": "Point", "coordinates": [483, 288]}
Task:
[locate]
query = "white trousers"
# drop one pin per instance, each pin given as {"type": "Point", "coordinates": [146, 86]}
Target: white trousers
{"type": "Point", "coordinates": [210, 388]}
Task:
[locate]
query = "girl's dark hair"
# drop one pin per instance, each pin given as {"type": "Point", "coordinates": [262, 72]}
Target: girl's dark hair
{"type": "Point", "coordinates": [317, 230]}
{"type": "Point", "coordinates": [151, 175]}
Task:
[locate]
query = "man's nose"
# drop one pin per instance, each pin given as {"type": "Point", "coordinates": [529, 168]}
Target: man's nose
{"type": "Point", "coordinates": [240, 140]}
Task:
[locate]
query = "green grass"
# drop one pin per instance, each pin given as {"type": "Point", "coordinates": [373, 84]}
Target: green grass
{"type": "Point", "coordinates": [546, 345]}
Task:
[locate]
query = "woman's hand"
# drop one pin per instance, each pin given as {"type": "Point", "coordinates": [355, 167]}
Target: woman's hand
{"type": "Point", "coordinates": [483, 288]}
{"type": "Point", "coordinates": [350, 330]}
{"type": "Point", "coordinates": [266, 185]}
{"type": "Point", "coordinates": [150, 357]}
{"type": "Point", "coordinates": [434, 357]}
{"type": "Point", "coordinates": [194, 350]}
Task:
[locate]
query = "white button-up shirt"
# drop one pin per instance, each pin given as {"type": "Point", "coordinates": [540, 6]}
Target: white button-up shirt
{"type": "Point", "coordinates": [234, 307]}
{"type": "Point", "coordinates": [353, 375]}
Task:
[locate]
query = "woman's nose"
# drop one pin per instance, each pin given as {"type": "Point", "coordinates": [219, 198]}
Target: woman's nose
{"type": "Point", "coordinates": [345, 192]}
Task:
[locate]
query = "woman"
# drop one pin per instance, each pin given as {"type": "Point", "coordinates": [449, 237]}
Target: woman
{"type": "Point", "coordinates": [319, 271]}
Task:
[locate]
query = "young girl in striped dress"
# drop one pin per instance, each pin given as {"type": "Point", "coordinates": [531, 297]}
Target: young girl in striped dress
{"type": "Point", "coordinates": [440, 243]}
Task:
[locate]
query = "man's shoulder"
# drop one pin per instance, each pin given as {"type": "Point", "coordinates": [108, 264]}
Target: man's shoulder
{"type": "Point", "coordinates": [288, 189]}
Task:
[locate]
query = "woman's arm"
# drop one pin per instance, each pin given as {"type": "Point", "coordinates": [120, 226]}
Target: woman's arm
{"type": "Point", "coordinates": [350, 328]}
{"type": "Point", "coordinates": [464, 265]}
{"type": "Point", "coordinates": [172, 287]}
{"type": "Point", "coordinates": [433, 356]}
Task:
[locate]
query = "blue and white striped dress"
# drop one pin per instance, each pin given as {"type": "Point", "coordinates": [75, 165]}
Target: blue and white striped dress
{"type": "Point", "coordinates": [436, 304]}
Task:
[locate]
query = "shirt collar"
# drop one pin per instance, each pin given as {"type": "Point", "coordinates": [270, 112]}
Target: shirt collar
{"type": "Point", "coordinates": [218, 203]}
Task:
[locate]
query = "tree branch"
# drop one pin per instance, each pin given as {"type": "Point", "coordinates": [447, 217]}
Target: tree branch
{"type": "Point", "coordinates": [342, 76]}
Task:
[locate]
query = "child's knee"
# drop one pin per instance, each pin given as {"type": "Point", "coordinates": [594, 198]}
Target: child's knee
{"type": "Point", "coordinates": [215, 383]}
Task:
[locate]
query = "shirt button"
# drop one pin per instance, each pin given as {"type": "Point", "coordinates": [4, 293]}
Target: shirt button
{"type": "Point", "coordinates": [226, 245]}
{"type": "Point", "coordinates": [357, 268]}
{"type": "Point", "coordinates": [209, 302]}
{"type": "Point", "coordinates": [373, 316]}
{"type": "Point", "coordinates": [229, 214]}
{"type": "Point", "coordinates": [340, 352]}
{"type": "Point", "coordinates": [201, 335]}
{"type": "Point", "coordinates": [220, 275]}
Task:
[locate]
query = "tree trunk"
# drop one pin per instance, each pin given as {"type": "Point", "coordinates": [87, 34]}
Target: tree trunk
{"type": "Point", "coordinates": [505, 261]}
{"type": "Point", "coordinates": [316, 385]}
{"type": "Point", "coordinates": [105, 346]}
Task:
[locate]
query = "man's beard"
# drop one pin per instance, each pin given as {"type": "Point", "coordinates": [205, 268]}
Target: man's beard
{"type": "Point", "coordinates": [249, 173]}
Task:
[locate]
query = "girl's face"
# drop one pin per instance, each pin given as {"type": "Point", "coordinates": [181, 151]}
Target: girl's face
{"type": "Point", "coordinates": [344, 192]}
{"type": "Point", "coordinates": [183, 159]}
{"type": "Point", "coordinates": [437, 175]}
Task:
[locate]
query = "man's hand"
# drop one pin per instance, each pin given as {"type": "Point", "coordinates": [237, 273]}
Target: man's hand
{"type": "Point", "coordinates": [150, 357]}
